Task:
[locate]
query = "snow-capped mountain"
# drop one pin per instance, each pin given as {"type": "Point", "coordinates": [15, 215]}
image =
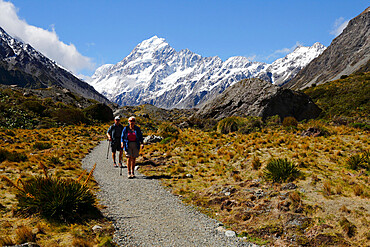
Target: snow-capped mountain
{"type": "Point", "coordinates": [155, 73]}
{"type": "Point", "coordinates": [22, 65]}
{"type": "Point", "coordinates": [284, 69]}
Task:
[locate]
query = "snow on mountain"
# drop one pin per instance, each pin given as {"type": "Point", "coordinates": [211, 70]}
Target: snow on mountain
{"type": "Point", "coordinates": [284, 69]}
{"type": "Point", "coordinates": [157, 74]}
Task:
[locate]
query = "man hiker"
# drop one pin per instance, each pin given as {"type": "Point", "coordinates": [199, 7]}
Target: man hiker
{"type": "Point", "coordinates": [114, 135]}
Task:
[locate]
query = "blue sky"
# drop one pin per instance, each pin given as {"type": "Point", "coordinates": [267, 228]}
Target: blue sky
{"type": "Point", "coordinates": [99, 32]}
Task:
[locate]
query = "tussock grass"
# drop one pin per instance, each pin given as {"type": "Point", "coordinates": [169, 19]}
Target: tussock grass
{"type": "Point", "coordinates": [224, 163]}
{"type": "Point", "coordinates": [67, 145]}
{"type": "Point", "coordinates": [280, 170]}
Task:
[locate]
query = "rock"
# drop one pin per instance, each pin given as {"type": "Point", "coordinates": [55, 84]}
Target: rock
{"type": "Point", "coordinates": [29, 244]}
{"type": "Point", "coordinates": [314, 132]}
{"type": "Point", "coordinates": [259, 194]}
{"type": "Point", "coordinates": [97, 228]}
{"type": "Point", "coordinates": [289, 186]}
{"type": "Point", "coordinates": [184, 125]}
{"type": "Point", "coordinates": [152, 139]}
{"type": "Point", "coordinates": [230, 234]}
{"type": "Point", "coordinates": [189, 175]}
{"type": "Point", "coordinates": [255, 97]}
{"type": "Point", "coordinates": [220, 229]}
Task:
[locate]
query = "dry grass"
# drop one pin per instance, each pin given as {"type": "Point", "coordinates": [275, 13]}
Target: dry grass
{"type": "Point", "coordinates": [60, 157]}
{"type": "Point", "coordinates": [228, 184]}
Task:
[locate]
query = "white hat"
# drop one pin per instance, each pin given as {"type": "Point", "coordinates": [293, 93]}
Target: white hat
{"type": "Point", "coordinates": [117, 118]}
{"type": "Point", "coordinates": [131, 118]}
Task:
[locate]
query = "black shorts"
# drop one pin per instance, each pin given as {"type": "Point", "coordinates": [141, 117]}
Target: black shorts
{"type": "Point", "coordinates": [116, 146]}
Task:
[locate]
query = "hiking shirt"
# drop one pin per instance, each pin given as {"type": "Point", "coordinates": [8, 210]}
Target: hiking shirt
{"type": "Point", "coordinates": [115, 131]}
{"type": "Point", "coordinates": [125, 139]}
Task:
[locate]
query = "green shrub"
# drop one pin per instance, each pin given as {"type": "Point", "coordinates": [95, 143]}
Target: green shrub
{"type": "Point", "coordinates": [56, 199]}
{"type": "Point", "coordinates": [290, 122]}
{"type": "Point", "coordinates": [168, 130]}
{"type": "Point", "coordinates": [100, 112]}
{"type": "Point", "coordinates": [166, 140]}
{"type": "Point", "coordinates": [229, 124]}
{"type": "Point", "coordinates": [42, 145]}
{"type": "Point", "coordinates": [273, 120]}
{"type": "Point", "coordinates": [69, 116]}
{"type": "Point", "coordinates": [280, 170]}
{"type": "Point", "coordinates": [363, 126]}
{"type": "Point", "coordinates": [249, 125]}
{"type": "Point", "coordinates": [206, 124]}
{"type": "Point", "coordinates": [34, 106]}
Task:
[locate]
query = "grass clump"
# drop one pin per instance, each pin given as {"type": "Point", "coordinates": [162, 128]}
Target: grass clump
{"type": "Point", "coordinates": [348, 227]}
{"type": "Point", "coordinates": [55, 199]}
{"type": "Point", "coordinates": [280, 170]}
{"type": "Point", "coordinates": [359, 161]}
{"type": "Point", "coordinates": [229, 124]}
{"type": "Point", "coordinates": [42, 145]}
{"type": "Point", "coordinates": [168, 130]}
{"type": "Point", "coordinates": [24, 234]}
{"type": "Point", "coordinates": [290, 122]}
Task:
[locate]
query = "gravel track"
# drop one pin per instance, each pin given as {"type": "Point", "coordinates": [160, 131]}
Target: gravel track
{"type": "Point", "coordinates": [144, 213]}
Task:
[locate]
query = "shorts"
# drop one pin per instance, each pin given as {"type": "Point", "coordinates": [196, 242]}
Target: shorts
{"type": "Point", "coordinates": [132, 151]}
{"type": "Point", "coordinates": [116, 147]}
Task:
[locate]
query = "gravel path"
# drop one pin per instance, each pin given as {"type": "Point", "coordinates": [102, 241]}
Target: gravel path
{"type": "Point", "coordinates": [144, 213]}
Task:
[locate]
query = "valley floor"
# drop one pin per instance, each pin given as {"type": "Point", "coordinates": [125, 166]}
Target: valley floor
{"type": "Point", "coordinates": [144, 213]}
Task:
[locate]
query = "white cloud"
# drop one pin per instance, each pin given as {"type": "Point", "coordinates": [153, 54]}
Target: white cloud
{"type": "Point", "coordinates": [339, 25]}
{"type": "Point", "coordinates": [45, 41]}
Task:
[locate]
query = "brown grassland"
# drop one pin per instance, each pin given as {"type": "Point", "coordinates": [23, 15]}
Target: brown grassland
{"type": "Point", "coordinates": [327, 203]}
{"type": "Point", "coordinates": [60, 150]}
{"type": "Point", "coordinates": [223, 176]}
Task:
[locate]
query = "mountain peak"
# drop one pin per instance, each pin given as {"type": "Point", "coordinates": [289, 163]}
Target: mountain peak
{"type": "Point", "coordinates": [153, 43]}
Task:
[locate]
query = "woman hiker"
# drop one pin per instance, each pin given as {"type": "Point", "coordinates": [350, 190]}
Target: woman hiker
{"type": "Point", "coordinates": [114, 135]}
{"type": "Point", "coordinates": [130, 141]}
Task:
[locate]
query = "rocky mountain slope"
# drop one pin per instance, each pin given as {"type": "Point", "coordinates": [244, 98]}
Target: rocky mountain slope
{"type": "Point", "coordinates": [157, 74]}
{"type": "Point", "coordinates": [22, 65]}
{"type": "Point", "coordinates": [346, 54]}
{"type": "Point", "coordinates": [255, 97]}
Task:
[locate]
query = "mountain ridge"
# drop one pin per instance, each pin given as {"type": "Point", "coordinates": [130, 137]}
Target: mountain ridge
{"type": "Point", "coordinates": [22, 65]}
{"type": "Point", "coordinates": [155, 73]}
{"type": "Point", "coordinates": [346, 54]}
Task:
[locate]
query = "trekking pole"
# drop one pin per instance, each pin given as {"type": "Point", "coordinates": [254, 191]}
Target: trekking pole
{"type": "Point", "coordinates": [108, 149]}
{"type": "Point", "coordinates": [120, 170]}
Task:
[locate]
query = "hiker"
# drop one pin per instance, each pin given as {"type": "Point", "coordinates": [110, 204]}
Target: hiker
{"type": "Point", "coordinates": [114, 135]}
{"type": "Point", "coordinates": [130, 141]}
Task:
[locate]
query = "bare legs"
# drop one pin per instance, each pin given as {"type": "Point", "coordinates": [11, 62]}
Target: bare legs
{"type": "Point", "coordinates": [119, 157]}
{"type": "Point", "coordinates": [131, 166]}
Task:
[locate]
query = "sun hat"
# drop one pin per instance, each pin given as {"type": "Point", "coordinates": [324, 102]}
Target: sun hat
{"type": "Point", "coordinates": [131, 118]}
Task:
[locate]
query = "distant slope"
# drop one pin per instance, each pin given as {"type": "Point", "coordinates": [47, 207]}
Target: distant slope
{"type": "Point", "coordinates": [346, 54]}
{"type": "Point", "coordinates": [349, 97]}
{"type": "Point", "coordinates": [22, 65]}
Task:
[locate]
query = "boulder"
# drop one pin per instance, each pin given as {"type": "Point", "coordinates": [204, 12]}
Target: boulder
{"type": "Point", "coordinates": [258, 98]}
